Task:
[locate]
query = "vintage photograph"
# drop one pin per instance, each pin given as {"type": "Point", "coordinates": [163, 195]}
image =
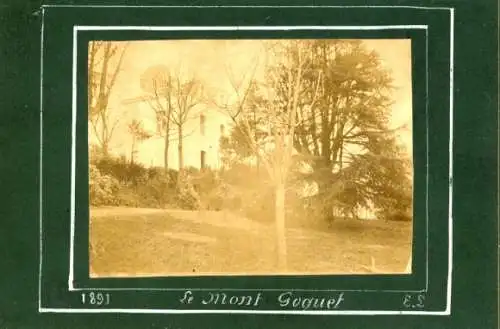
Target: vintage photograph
{"type": "Point", "coordinates": [250, 157]}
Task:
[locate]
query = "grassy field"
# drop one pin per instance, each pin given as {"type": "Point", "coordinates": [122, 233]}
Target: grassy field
{"type": "Point", "coordinates": [150, 242]}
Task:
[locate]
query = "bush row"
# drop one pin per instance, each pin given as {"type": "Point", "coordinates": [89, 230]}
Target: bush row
{"type": "Point", "coordinates": [116, 182]}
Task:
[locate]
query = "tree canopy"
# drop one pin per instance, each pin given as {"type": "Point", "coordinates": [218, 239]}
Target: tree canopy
{"type": "Point", "coordinates": [341, 127]}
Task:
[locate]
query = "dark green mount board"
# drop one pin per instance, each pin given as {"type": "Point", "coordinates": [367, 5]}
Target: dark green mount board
{"type": "Point", "coordinates": [44, 155]}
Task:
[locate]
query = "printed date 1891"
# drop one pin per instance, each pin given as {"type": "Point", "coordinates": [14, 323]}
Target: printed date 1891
{"type": "Point", "coordinates": [95, 298]}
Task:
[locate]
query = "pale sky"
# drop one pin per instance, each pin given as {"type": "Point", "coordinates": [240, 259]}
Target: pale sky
{"type": "Point", "coordinates": [209, 60]}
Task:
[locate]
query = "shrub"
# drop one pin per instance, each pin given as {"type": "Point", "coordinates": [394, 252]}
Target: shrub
{"type": "Point", "coordinates": [122, 170]}
{"type": "Point", "coordinates": [103, 188]}
{"type": "Point", "coordinates": [187, 197]}
{"type": "Point", "coordinates": [114, 181]}
{"type": "Point", "coordinates": [396, 215]}
{"type": "Point", "coordinates": [126, 196]}
{"type": "Point", "coordinates": [257, 203]}
{"type": "Point", "coordinates": [208, 188]}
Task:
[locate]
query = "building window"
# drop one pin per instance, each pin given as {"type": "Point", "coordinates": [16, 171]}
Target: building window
{"type": "Point", "coordinates": [202, 125]}
{"type": "Point", "coordinates": [202, 159]}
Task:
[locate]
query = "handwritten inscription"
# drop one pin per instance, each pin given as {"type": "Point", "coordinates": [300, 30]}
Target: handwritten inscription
{"type": "Point", "coordinates": [220, 298]}
{"type": "Point", "coordinates": [413, 301]}
{"type": "Point", "coordinates": [283, 300]}
{"type": "Point", "coordinates": [187, 298]}
{"type": "Point", "coordinates": [288, 299]}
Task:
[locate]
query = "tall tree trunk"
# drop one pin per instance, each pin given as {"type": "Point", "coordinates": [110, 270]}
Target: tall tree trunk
{"type": "Point", "coordinates": [181, 154]}
{"type": "Point", "coordinates": [279, 208]}
{"type": "Point", "coordinates": [323, 179]}
{"type": "Point", "coordinates": [165, 151]}
{"type": "Point", "coordinates": [132, 151]}
{"type": "Point", "coordinates": [105, 148]}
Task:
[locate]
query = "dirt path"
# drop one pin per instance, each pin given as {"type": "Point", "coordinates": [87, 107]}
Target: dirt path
{"type": "Point", "coordinates": [223, 219]}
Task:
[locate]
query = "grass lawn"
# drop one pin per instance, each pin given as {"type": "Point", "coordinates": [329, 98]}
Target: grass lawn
{"type": "Point", "coordinates": [149, 242]}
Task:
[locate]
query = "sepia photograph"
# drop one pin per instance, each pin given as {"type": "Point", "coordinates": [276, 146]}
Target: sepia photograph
{"type": "Point", "coordinates": [250, 157]}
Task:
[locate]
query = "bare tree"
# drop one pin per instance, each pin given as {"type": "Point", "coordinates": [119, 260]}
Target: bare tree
{"type": "Point", "coordinates": [139, 134]}
{"type": "Point", "coordinates": [271, 137]}
{"type": "Point", "coordinates": [173, 99]}
{"type": "Point", "coordinates": [187, 94]}
{"type": "Point", "coordinates": [157, 82]}
{"type": "Point", "coordinates": [104, 62]}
